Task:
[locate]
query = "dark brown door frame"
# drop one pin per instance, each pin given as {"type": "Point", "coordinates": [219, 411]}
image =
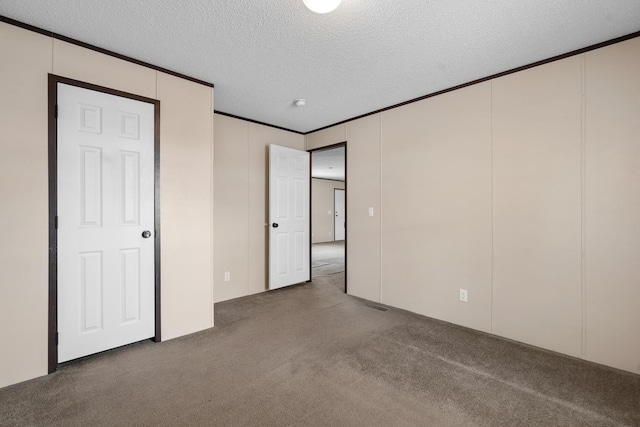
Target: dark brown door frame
{"type": "Point", "coordinates": [53, 206]}
{"type": "Point", "coordinates": [346, 230]}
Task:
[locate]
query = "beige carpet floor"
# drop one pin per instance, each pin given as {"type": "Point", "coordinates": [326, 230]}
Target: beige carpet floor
{"type": "Point", "coordinates": [309, 355]}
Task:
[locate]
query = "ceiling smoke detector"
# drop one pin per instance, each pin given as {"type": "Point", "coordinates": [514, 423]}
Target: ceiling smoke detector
{"type": "Point", "coordinates": [322, 6]}
{"type": "Point", "coordinates": [299, 102]}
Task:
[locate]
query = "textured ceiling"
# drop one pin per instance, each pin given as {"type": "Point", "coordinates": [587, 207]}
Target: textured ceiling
{"type": "Point", "coordinates": [366, 55]}
{"type": "Point", "coordinates": [328, 164]}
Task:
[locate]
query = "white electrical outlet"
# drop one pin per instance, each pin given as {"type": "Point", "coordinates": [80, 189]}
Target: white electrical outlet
{"type": "Point", "coordinates": [227, 276]}
{"type": "Point", "coordinates": [463, 295]}
{"type": "Point", "coordinates": [370, 211]}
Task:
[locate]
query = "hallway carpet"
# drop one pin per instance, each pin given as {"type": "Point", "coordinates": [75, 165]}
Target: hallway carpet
{"type": "Point", "coordinates": [327, 259]}
{"type": "Point", "coordinates": [309, 355]}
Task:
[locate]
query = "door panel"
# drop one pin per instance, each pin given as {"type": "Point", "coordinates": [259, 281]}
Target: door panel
{"type": "Point", "coordinates": [130, 267]}
{"type": "Point", "coordinates": [106, 279]}
{"type": "Point", "coordinates": [289, 209]}
{"type": "Point", "coordinates": [91, 186]}
{"type": "Point", "coordinates": [130, 194]}
{"type": "Point", "coordinates": [91, 291]}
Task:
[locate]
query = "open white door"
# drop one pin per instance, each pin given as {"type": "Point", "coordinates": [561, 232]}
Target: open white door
{"type": "Point", "coordinates": [288, 216]}
{"type": "Point", "coordinates": [338, 209]}
{"type": "Point", "coordinates": [106, 283]}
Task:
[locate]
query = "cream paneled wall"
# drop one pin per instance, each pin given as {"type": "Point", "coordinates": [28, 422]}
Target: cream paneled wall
{"type": "Point", "coordinates": [436, 206]}
{"type": "Point", "coordinates": [186, 190]}
{"type": "Point", "coordinates": [612, 205]}
{"type": "Point", "coordinates": [363, 231]}
{"type": "Point", "coordinates": [231, 208]}
{"type": "Point", "coordinates": [86, 65]}
{"type": "Point", "coordinates": [24, 263]}
{"type": "Point", "coordinates": [186, 200]}
{"type": "Point", "coordinates": [524, 190]}
{"type": "Point", "coordinates": [241, 205]}
{"type": "Point", "coordinates": [329, 136]}
{"type": "Point", "coordinates": [537, 146]}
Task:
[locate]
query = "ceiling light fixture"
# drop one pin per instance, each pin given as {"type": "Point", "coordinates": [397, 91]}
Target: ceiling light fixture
{"type": "Point", "coordinates": [322, 6]}
{"type": "Point", "coordinates": [299, 102]}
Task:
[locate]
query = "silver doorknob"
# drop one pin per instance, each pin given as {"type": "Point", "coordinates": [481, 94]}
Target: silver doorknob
{"type": "Point", "coordinates": [146, 234]}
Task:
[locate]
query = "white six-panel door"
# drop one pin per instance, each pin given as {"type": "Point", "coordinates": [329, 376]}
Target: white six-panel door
{"type": "Point", "coordinates": [288, 216]}
{"type": "Point", "coordinates": [105, 158]}
{"type": "Point", "coordinates": [339, 212]}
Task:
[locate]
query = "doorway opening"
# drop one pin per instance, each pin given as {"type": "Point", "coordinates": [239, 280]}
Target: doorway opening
{"type": "Point", "coordinates": [329, 216]}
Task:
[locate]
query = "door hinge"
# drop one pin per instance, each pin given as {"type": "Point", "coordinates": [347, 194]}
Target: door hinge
{"type": "Point", "coordinates": [56, 338]}
{"type": "Point", "coordinates": [56, 222]}
{"type": "Point", "coordinates": [56, 112]}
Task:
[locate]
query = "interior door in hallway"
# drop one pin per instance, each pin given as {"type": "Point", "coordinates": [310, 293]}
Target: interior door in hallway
{"type": "Point", "coordinates": [339, 213]}
{"type": "Point", "coordinates": [288, 216]}
{"type": "Point", "coordinates": [105, 185]}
